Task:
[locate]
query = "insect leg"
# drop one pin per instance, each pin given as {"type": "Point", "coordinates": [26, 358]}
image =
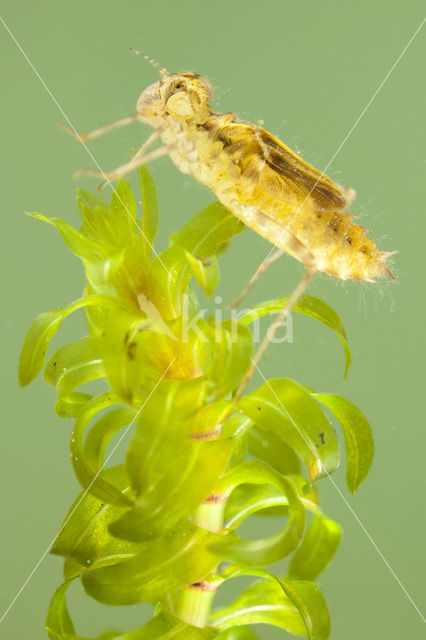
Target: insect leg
{"type": "Point", "coordinates": [100, 131]}
{"type": "Point", "coordinates": [256, 275]}
{"type": "Point", "coordinates": [295, 296]}
{"type": "Point", "coordinates": [138, 160]}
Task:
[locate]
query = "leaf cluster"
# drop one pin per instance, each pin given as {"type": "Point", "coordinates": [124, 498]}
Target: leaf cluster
{"type": "Point", "coordinates": [162, 527]}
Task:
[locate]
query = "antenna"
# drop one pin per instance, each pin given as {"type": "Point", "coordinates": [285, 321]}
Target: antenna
{"type": "Point", "coordinates": [163, 72]}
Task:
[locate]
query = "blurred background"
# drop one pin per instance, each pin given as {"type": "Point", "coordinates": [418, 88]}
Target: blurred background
{"type": "Point", "coordinates": [308, 69]}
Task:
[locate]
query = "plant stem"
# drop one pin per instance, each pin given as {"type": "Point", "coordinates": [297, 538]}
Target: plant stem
{"type": "Point", "coordinates": [197, 598]}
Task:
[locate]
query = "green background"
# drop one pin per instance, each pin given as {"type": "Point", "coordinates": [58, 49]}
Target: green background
{"type": "Point", "coordinates": [308, 69]}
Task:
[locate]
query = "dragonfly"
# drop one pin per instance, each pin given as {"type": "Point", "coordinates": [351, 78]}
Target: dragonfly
{"type": "Point", "coordinates": [270, 188]}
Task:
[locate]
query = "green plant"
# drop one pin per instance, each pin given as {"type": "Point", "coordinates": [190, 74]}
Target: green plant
{"type": "Point", "coordinates": [161, 527]}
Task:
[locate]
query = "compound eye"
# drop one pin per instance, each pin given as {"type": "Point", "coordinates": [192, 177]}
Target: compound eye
{"type": "Point", "coordinates": [180, 105]}
{"type": "Point", "coordinates": [175, 86]}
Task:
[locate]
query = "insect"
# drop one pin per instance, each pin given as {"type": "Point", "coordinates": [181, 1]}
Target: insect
{"type": "Point", "coordinates": [263, 183]}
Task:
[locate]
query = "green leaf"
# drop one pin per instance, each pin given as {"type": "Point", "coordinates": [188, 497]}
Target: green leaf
{"type": "Point", "coordinates": [264, 499]}
{"type": "Point", "coordinates": [123, 204]}
{"type": "Point", "coordinates": [72, 569]}
{"type": "Point", "coordinates": [101, 225]}
{"type": "Point", "coordinates": [102, 432]}
{"type": "Point", "coordinates": [238, 633]}
{"type": "Point", "coordinates": [91, 477]}
{"type": "Point", "coordinates": [159, 435]}
{"type": "Point", "coordinates": [272, 548]}
{"type": "Point", "coordinates": [167, 493]}
{"type": "Point", "coordinates": [69, 406]}
{"type": "Point", "coordinates": [184, 486]}
{"type": "Point", "coordinates": [310, 306]}
{"type": "Point", "coordinates": [121, 350]}
{"type": "Point", "coordinates": [101, 274]}
{"type": "Point", "coordinates": [318, 547]}
{"type": "Point", "coordinates": [233, 346]}
{"type": "Point", "coordinates": [271, 448]}
{"type": "Point", "coordinates": [202, 236]}
{"type": "Point", "coordinates": [88, 201]}
{"type": "Point", "coordinates": [164, 565]}
{"type": "Point", "coordinates": [84, 536]}
{"type": "Point", "coordinates": [358, 437]}
{"type": "Point", "coordinates": [288, 410]}
{"type": "Point", "coordinates": [58, 622]}
{"type": "Point", "coordinates": [304, 595]}
{"type": "Point", "coordinates": [113, 226]}
{"type": "Point", "coordinates": [164, 626]}
{"type": "Point", "coordinates": [262, 603]}
{"type": "Point", "coordinates": [74, 364]}
{"type": "Point", "coordinates": [209, 420]}
{"type": "Point", "coordinates": [44, 328]}
{"type": "Point", "coordinates": [206, 271]}
{"type": "Point", "coordinates": [307, 597]}
{"type": "Point", "coordinates": [149, 207]}
{"type": "Point", "coordinates": [79, 244]}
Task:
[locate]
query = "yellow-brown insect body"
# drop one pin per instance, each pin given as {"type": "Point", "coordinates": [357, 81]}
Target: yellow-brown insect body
{"type": "Point", "coordinates": [260, 180]}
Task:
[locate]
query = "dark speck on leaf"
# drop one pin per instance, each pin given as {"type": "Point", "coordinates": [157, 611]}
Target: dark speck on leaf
{"type": "Point", "coordinates": [130, 350]}
{"type": "Point", "coordinates": [54, 364]}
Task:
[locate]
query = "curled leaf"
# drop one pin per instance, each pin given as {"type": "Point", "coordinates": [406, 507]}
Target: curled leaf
{"type": "Point", "coordinates": [74, 364]}
{"type": "Point", "coordinates": [44, 328]}
{"type": "Point", "coordinates": [84, 537]}
{"type": "Point", "coordinates": [206, 271]}
{"type": "Point", "coordinates": [265, 499]}
{"type": "Point", "coordinates": [270, 448]}
{"type": "Point", "coordinates": [309, 306]}
{"type": "Point", "coordinates": [262, 603]}
{"type": "Point", "coordinates": [70, 405]}
{"type": "Point", "coordinates": [288, 410]}
{"type": "Point", "coordinates": [272, 548]}
{"type": "Point", "coordinates": [182, 490]}
{"type": "Point", "coordinates": [163, 626]}
{"type": "Point", "coordinates": [163, 565]}
{"type": "Point", "coordinates": [304, 596]}
{"type": "Point", "coordinates": [91, 477]}
{"type": "Point", "coordinates": [358, 437]}
{"type": "Point", "coordinates": [318, 547]}
{"type": "Point", "coordinates": [307, 597]}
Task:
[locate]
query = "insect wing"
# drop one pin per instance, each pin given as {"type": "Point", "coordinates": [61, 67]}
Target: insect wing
{"type": "Point", "coordinates": [294, 175]}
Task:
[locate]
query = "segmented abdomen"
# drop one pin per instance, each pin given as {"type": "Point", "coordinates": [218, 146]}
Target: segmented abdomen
{"type": "Point", "coordinates": [324, 240]}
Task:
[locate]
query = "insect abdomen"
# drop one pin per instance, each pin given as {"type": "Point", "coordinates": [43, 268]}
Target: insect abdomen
{"type": "Point", "coordinates": [324, 240]}
{"type": "Point", "coordinates": [342, 249]}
